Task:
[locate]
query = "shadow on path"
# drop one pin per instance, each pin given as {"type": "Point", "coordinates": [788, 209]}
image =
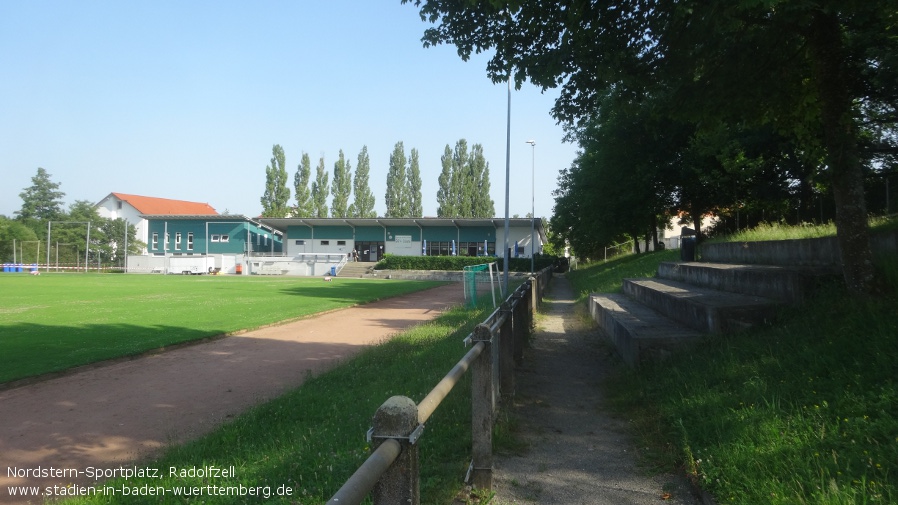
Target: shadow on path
{"type": "Point", "coordinates": [577, 452]}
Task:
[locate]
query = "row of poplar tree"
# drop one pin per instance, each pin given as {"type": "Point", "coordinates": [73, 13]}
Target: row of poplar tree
{"type": "Point", "coordinates": [464, 186]}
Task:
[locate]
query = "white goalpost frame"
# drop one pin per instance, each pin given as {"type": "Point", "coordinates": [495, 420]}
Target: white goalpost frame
{"type": "Point", "coordinates": [493, 279]}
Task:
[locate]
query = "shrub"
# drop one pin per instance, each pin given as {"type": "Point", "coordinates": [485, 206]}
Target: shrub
{"type": "Point", "coordinates": [455, 263]}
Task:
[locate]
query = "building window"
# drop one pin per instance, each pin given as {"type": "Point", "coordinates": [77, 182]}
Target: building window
{"type": "Point", "coordinates": [300, 242]}
{"type": "Point", "coordinates": [225, 238]}
{"type": "Point", "coordinates": [190, 241]}
{"type": "Point", "coordinates": [177, 241]}
{"type": "Point", "coordinates": [325, 242]}
{"type": "Point", "coordinates": [341, 242]}
{"type": "Point", "coordinates": [215, 238]}
{"type": "Point", "coordinates": [155, 241]}
{"type": "Point", "coordinates": [119, 205]}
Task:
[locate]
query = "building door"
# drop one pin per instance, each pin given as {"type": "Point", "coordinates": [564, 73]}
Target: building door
{"type": "Point", "coordinates": [370, 251]}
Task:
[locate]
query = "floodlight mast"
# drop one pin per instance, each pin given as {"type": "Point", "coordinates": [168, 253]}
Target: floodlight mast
{"type": "Point", "coordinates": [507, 179]}
{"type": "Point", "coordinates": [532, 201]}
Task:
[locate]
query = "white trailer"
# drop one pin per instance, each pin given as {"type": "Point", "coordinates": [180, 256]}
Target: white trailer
{"type": "Point", "coordinates": [191, 265]}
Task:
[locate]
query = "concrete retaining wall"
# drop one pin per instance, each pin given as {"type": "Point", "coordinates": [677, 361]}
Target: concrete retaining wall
{"type": "Point", "coordinates": [800, 252]}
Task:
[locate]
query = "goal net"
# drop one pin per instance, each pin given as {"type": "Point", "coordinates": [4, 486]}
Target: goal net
{"type": "Point", "coordinates": [480, 281]}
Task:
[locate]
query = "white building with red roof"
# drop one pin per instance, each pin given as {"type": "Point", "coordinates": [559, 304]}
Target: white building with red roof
{"type": "Point", "coordinates": [132, 207]}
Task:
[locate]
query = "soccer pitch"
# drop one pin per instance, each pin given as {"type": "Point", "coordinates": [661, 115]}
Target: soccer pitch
{"type": "Point", "coordinates": [50, 323]}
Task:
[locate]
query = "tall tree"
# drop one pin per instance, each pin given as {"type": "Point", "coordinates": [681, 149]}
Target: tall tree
{"type": "Point", "coordinates": [446, 198]}
{"type": "Point", "coordinates": [277, 194]}
{"type": "Point", "coordinates": [42, 201]}
{"type": "Point", "coordinates": [416, 206]}
{"type": "Point", "coordinates": [464, 183]}
{"type": "Point", "coordinates": [460, 182]}
{"type": "Point", "coordinates": [396, 197]}
{"type": "Point", "coordinates": [304, 205]}
{"type": "Point", "coordinates": [341, 187]}
{"type": "Point", "coordinates": [320, 190]}
{"type": "Point", "coordinates": [479, 173]}
{"type": "Point", "coordinates": [363, 205]}
{"type": "Point", "coordinates": [821, 59]}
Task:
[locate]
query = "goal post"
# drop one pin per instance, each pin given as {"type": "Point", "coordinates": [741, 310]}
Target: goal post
{"type": "Point", "coordinates": [477, 279]}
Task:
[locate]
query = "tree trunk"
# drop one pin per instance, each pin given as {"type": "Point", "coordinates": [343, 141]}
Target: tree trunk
{"type": "Point", "coordinates": [840, 141]}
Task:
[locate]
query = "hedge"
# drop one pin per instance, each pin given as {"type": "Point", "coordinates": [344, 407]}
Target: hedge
{"type": "Point", "coordinates": [455, 263]}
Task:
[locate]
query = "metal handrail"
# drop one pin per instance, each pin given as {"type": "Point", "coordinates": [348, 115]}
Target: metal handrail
{"type": "Point", "coordinates": [357, 487]}
{"type": "Point", "coordinates": [365, 478]}
{"type": "Point", "coordinates": [429, 404]}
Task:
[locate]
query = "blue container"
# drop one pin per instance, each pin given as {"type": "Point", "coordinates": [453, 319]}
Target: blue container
{"type": "Point", "coordinates": [333, 271]}
{"type": "Point", "coordinates": [19, 268]}
{"type": "Point", "coordinates": [34, 267]}
{"type": "Point", "coordinates": [5, 268]}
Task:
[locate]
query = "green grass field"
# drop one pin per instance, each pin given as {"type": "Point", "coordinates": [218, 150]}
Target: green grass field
{"type": "Point", "coordinates": [54, 322]}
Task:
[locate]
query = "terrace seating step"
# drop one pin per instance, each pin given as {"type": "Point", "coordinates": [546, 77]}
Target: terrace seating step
{"type": "Point", "coordinates": [638, 332]}
{"type": "Point", "coordinates": [356, 269]}
{"type": "Point", "coordinates": [703, 309]}
{"type": "Point", "coordinates": [788, 284]}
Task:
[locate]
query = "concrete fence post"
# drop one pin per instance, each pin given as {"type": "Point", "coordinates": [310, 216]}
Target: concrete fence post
{"type": "Point", "coordinates": [506, 351]}
{"type": "Point", "coordinates": [397, 419]}
{"type": "Point", "coordinates": [520, 328]}
{"type": "Point", "coordinates": [534, 294]}
{"type": "Point", "coordinates": [482, 412]}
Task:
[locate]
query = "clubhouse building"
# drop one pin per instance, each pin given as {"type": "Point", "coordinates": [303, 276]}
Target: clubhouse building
{"type": "Point", "coordinates": [237, 244]}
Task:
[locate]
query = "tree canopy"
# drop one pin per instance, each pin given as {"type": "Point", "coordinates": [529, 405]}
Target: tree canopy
{"type": "Point", "coordinates": [342, 186]}
{"type": "Point", "coordinates": [397, 195]}
{"type": "Point", "coordinates": [415, 205]}
{"type": "Point", "coordinates": [320, 190]}
{"type": "Point", "coordinates": [42, 201]}
{"type": "Point", "coordinates": [277, 195]}
{"type": "Point", "coordinates": [772, 90]}
{"type": "Point", "coordinates": [304, 204]}
{"type": "Point", "coordinates": [464, 183]}
{"type": "Point", "coordinates": [363, 204]}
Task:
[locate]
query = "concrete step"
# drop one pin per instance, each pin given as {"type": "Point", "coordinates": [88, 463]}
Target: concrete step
{"type": "Point", "coordinates": [638, 332]}
{"type": "Point", "coordinates": [703, 309]}
{"type": "Point", "coordinates": [789, 284]}
{"type": "Point", "coordinates": [356, 269]}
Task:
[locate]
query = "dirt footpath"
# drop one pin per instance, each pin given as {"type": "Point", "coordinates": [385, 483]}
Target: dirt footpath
{"type": "Point", "coordinates": [122, 413]}
{"type": "Point", "coordinates": [577, 452]}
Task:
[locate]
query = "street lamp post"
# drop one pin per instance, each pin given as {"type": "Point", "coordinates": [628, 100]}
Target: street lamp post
{"type": "Point", "coordinates": [532, 200]}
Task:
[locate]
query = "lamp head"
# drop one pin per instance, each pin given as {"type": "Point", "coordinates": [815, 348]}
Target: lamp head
{"type": "Point", "coordinates": [531, 142]}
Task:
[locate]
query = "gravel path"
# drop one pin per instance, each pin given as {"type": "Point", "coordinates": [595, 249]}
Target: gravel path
{"type": "Point", "coordinates": [578, 453]}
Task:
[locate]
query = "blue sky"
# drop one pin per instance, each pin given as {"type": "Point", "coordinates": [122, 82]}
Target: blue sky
{"type": "Point", "coordinates": [184, 100]}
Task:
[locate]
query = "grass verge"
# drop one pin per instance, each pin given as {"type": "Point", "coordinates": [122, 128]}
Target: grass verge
{"type": "Point", "coordinates": [802, 412]}
{"type": "Point", "coordinates": [55, 322]}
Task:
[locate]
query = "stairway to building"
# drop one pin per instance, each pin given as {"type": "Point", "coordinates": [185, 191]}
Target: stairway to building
{"type": "Point", "coordinates": [356, 269]}
{"type": "Point", "coordinates": [688, 301]}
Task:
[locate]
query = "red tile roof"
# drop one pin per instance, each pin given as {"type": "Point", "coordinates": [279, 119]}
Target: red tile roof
{"type": "Point", "coordinates": [164, 206]}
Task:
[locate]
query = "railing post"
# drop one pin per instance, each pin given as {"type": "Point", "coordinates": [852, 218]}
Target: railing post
{"type": "Point", "coordinates": [534, 294]}
{"type": "Point", "coordinates": [397, 419]}
{"type": "Point", "coordinates": [520, 327]}
{"type": "Point", "coordinates": [482, 412]}
{"type": "Point", "coordinates": [506, 351]}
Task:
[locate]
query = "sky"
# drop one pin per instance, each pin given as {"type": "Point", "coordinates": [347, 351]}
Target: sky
{"type": "Point", "coordinates": [184, 100]}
